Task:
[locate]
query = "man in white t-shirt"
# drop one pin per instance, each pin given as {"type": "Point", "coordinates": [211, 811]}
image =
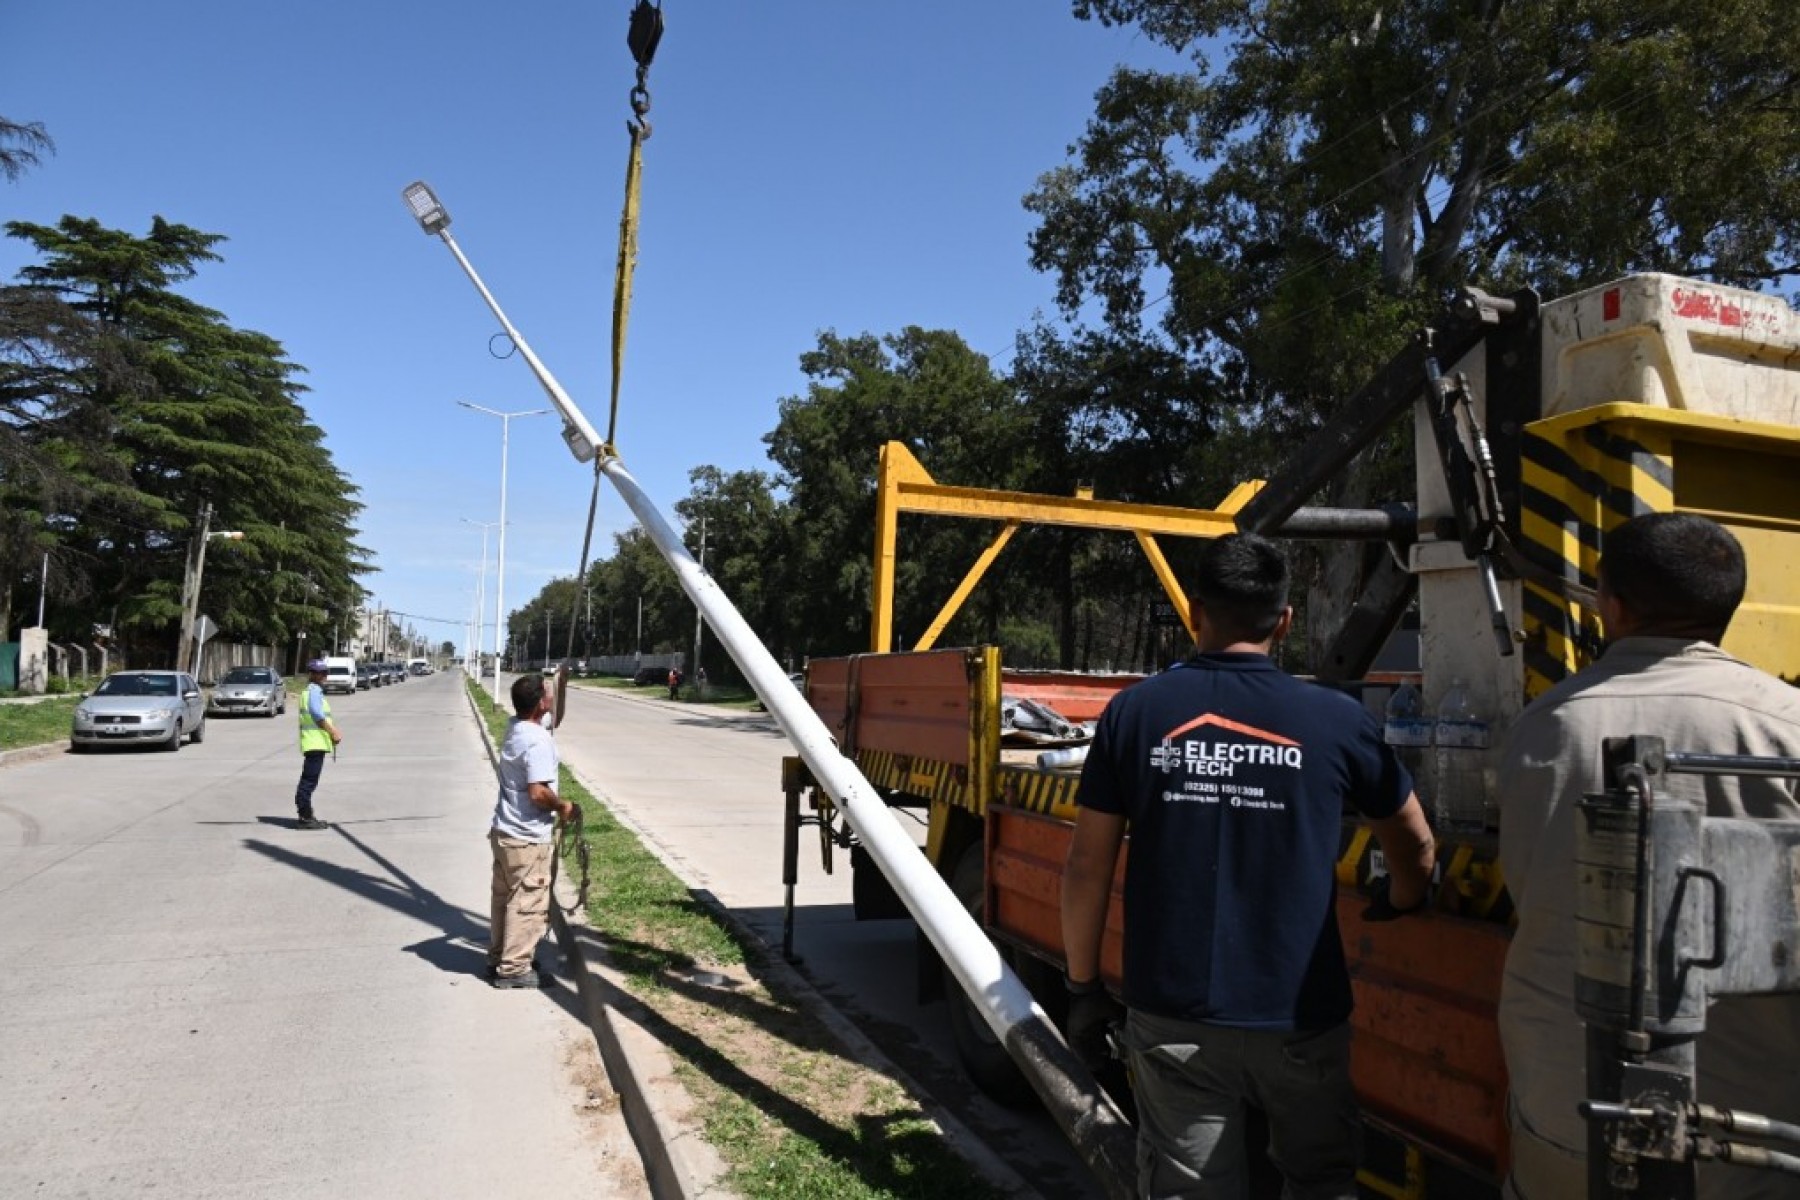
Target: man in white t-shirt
{"type": "Point", "coordinates": [522, 836]}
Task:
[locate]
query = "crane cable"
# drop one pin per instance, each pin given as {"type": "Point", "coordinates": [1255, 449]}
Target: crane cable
{"type": "Point", "coordinates": [642, 38]}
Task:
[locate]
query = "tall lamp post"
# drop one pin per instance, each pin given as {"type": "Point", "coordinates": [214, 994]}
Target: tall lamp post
{"type": "Point", "coordinates": [506, 419]}
{"type": "Point", "coordinates": [190, 584]}
{"type": "Point", "coordinates": [481, 591]}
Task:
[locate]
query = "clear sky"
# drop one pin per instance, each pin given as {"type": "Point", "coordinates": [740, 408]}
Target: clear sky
{"type": "Point", "coordinates": [815, 164]}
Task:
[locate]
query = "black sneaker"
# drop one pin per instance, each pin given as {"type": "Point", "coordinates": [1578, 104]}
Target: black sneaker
{"type": "Point", "coordinates": [529, 979]}
{"type": "Point", "coordinates": [310, 823]}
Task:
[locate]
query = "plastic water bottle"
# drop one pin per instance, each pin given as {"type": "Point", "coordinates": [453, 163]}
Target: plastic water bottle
{"type": "Point", "coordinates": [1407, 729]}
{"type": "Point", "coordinates": [1460, 740]}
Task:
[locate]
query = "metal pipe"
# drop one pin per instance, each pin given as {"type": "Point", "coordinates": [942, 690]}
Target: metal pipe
{"type": "Point", "coordinates": [1081, 1108]}
{"type": "Point", "coordinates": [1682, 763]}
{"type": "Point", "coordinates": [1086, 1114]}
{"type": "Point", "coordinates": [1389, 523]}
{"type": "Point", "coordinates": [1637, 786]}
{"type": "Point", "coordinates": [547, 381]}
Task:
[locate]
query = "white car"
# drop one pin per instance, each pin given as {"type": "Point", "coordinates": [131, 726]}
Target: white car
{"type": "Point", "coordinates": [159, 708]}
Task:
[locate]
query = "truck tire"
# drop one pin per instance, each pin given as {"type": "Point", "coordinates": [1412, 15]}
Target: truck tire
{"type": "Point", "coordinates": [984, 1060]}
{"type": "Point", "coordinates": [872, 897]}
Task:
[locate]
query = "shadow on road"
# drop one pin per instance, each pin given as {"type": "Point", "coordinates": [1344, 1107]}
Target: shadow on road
{"type": "Point", "coordinates": [461, 949]}
{"type": "Point", "coordinates": [747, 724]}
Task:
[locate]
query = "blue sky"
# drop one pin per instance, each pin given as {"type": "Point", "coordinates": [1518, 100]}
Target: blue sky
{"type": "Point", "coordinates": [848, 165]}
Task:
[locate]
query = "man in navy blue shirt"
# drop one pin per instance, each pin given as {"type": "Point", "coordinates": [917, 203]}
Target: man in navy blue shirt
{"type": "Point", "coordinates": [1233, 777]}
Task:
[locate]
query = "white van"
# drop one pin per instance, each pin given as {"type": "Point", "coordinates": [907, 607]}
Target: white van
{"type": "Point", "coordinates": [418, 666]}
{"type": "Point", "coordinates": [340, 675]}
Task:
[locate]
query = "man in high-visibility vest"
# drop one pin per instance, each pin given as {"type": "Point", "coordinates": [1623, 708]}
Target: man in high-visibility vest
{"type": "Point", "coordinates": [318, 737]}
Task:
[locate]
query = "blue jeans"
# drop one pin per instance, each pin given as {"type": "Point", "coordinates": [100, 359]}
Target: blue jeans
{"type": "Point", "coordinates": [313, 762]}
{"type": "Point", "coordinates": [1193, 1082]}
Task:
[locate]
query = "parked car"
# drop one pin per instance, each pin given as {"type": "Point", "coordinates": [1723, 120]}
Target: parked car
{"type": "Point", "coordinates": [160, 708]}
{"type": "Point", "coordinates": [650, 675]}
{"type": "Point", "coordinates": [365, 677]}
{"type": "Point", "coordinates": [255, 690]}
{"type": "Point", "coordinates": [340, 674]}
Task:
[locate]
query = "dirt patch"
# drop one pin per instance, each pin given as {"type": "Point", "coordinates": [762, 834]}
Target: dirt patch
{"type": "Point", "coordinates": [621, 1170]}
{"type": "Point", "coordinates": [784, 1104]}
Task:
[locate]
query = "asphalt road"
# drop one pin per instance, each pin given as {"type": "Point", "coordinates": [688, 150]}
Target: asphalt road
{"type": "Point", "coordinates": [703, 787]}
{"type": "Point", "coordinates": [201, 1000]}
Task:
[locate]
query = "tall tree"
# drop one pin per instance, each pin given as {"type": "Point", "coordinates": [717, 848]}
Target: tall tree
{"type": "Point", "coordinates": [963, 421]}
{"type": "Point", "coordinates": [746, 532]}
{"type": "Point", "coordinates": [180, 410]}
{"type": "Point", "coordinates": [1285, 211]}
{"type": "Point", "coordinates": [22, 144]}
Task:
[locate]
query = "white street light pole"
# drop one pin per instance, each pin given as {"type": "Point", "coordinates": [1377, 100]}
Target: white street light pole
{"type": "Point", "coordinates": [506, 419]}
{"type": "Point", "coordinates": [1086, 1114]}
{"type": "Point", "coordinates": [480, 590]}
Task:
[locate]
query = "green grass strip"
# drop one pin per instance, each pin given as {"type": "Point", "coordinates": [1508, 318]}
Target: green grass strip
{"type": "Point", "coordinates": [790, 1114]}
{"type": "Point", "coordinates": [23, 725]}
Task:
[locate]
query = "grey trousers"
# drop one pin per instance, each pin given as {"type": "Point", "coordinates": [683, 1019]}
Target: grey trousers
{"type": "Point", "coordinates": [1193, 1082]}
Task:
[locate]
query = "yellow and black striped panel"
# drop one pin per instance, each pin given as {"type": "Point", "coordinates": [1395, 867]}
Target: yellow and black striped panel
{"type": "Point", "coordinates": [921, 778]}
{"type": "Point", "coordinates": [1048, 793]}
{"type": "Point", "coordinates": [1578, 480]}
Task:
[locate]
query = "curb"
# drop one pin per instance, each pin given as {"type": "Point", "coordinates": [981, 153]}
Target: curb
{"type": "Point", "coordinates": [679, 1164]}
{"type": "Point", "coordinates": [37, 753]}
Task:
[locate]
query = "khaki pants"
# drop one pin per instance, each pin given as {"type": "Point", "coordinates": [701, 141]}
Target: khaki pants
{"type": "Point", "coordinates": [520, 908]}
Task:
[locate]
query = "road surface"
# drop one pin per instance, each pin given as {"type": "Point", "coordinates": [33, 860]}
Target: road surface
{"type": "Point", "coordinates": [200, 1000]}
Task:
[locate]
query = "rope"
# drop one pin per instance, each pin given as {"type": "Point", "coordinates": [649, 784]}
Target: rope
{"type": "Point", "coordinates": [572, 828]}
{"type": "Point", "coordinates": [587, 540]}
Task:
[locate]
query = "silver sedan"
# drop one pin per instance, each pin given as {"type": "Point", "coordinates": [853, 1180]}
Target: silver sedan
{"type": "Point", "coordinates": [161, 708]}
{"type": "Point", "coordinates": [256, 691]}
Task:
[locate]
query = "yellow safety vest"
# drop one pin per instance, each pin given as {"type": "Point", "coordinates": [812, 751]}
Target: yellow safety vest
{"type": "Point", "coordinates": [312, 735]}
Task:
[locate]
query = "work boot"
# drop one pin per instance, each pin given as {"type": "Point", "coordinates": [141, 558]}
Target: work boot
{"type": "Point", "coordinates": [308, 821]}
{"type": "Point", "coordinates": [527, 979]}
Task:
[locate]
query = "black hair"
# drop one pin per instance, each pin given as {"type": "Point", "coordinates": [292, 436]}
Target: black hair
{"type": "Point", "coordinates": [1675, 569]}
{"type": "Point", "coordinates": [1243, 585]}
{"type": "Point", "coordinates": [527, 691]}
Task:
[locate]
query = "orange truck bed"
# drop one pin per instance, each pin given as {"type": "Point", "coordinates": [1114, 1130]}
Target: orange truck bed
{"type": "Point", "coordinates": [925, 727]}
{"type": "Point", "coordinates": [1426, 1054]}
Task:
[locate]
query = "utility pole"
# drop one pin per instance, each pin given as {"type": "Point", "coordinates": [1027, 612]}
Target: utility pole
{"type": "Point", "coordinates": [190, 587]}
{"type": "Point", "coordinates": [43, 581]}
{"type": "Point", "coordinates": [640, 638]}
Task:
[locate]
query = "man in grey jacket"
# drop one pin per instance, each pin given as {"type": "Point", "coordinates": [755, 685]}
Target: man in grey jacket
{"type": "Point", "coordinates": [1669, 584]}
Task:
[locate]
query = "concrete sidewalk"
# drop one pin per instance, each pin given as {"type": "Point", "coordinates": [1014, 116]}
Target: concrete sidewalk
{"type": "Point", "coordinates": [200, 999]}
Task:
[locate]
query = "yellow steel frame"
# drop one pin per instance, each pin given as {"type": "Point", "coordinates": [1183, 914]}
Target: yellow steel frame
{"type": "Point", "coordinates": [905, 486]}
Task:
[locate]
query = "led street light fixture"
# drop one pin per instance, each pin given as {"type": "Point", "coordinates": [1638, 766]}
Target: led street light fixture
{"type": "Point", "coordinates": [432, 216]}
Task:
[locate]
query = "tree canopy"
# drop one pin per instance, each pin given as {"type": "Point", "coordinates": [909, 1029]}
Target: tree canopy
{"type": "Point", "coordinates": [1237, 244]}
{"type": "Point", "coordinates": [125, 408]}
